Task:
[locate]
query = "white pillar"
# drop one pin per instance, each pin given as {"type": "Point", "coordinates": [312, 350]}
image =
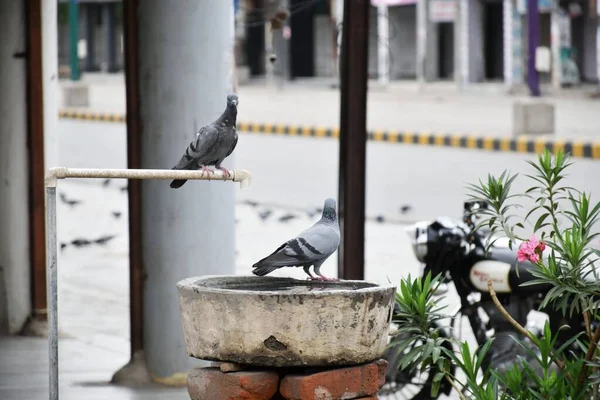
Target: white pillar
{"type": "Point", "coordinates": [518, 76]}
{"type": "Point", "coordinates": [270, 9]}
{"type": "Point", "coordinates": [184, 55]}
{"type": "Point", "coordinates": [421, 41]}
{"type": "Point", "coordinates": [463, 34]}
{"type": "Point", "coordinates": [50, 81]}
{"type": "Point", "coordinates": [15, 286]}
{"type": "Point", "coordinates": [338, 15]}
{"type": "Point", "coordinates": [383, 44]}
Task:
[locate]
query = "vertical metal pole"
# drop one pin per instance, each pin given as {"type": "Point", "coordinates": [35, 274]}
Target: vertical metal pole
{"type": "Point", "coordinates": [51, 271]}
{"type": "Point", "coordinates": [74, 38]}
{"type": "Point", "coordinates": [353, 138]}
{"type": "Point", "coordinates": [533, 33]}
{"type": "Point", "coordinates": [134, 130]}
{"type": "Point", "coordinates": [42, 33]}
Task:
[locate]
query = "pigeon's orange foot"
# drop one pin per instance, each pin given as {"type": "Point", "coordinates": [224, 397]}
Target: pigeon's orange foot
{"type": "Point", "coordinates": [208, 171]}
{"type": "Point", "coordinates": [324, 278]}
{"type": "Point", "coordinates": [226, 172]}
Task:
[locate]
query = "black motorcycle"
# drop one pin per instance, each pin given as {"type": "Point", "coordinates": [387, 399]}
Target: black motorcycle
{"type": "Point", "coordinates": [454, 249]}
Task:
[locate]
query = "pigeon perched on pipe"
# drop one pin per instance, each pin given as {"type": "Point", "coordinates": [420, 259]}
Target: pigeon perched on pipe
{"type": "Point", "coordinates": [310, 248]}
{"type": "Point", "coordinates": [213, 143]}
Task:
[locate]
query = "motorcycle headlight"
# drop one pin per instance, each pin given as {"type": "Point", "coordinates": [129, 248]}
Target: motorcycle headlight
{"type": "Point", "coordinates": [418, 235]}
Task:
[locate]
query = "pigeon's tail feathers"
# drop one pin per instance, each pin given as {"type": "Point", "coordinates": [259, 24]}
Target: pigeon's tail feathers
{"type": "Point", "coordinates": [263, 270]}
{"type": "Point", "coordinates": [269, 263]}
{"type": "Point", "coordinates": [177, 183]}
{"type": "Point", "coordinates": [184, 163]}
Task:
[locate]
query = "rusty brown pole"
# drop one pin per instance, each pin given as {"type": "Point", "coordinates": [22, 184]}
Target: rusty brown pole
{"type": "Point", "coordinates": [353, 138]}
{"type": "Point", "coordinates": [35, 142]}
{"type": "Point", "coordinates": [136, 276]}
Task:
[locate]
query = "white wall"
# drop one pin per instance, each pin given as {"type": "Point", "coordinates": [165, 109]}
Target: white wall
{"type": "Point", "coordinates": [15, 302]}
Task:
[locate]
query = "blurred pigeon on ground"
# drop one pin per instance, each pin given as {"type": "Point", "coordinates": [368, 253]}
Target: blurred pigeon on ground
{"type": "Point", "coordinates": [286, 217]}
{"type": "Point", "coordinates": [251, 203]}
{"type": "Point", "coordinates": [102, 240]}
{"type": "Point", "coordinates": [80, 242]}
{"type": "Point", "coordinates": [405, 208]}
{"type": "Point", "coordinates": [116, 214]}
{"type": "Point", "coordinates": [69, 202]}
{"type": "Point", "coordinates": [213, 143]}
{"type": "Point", "coordinates": [265, 214]}
{"type": "Point", "coordinates": [310, 248]}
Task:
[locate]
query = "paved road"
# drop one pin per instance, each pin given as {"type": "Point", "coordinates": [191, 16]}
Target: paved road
{"type": "Point", "coordinates": [93, 292]}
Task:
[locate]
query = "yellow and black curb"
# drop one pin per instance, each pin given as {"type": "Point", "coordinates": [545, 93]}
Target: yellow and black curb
{"type": "Point", "coordinates": [91, 116]}
{"type": "Point", "coordinates": [523, 144]}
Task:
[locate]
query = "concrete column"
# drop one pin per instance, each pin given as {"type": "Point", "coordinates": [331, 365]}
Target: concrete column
{"type": "Point", "coordinates": [15, 272]}
{"type": "Point", "coordinates": [432, 70]}
{"type": "Point", "coordinates": [462, 43]}
{"type": "Point", "coordinates": [513, 45]}
{"type": "Point", "coordinates": [185, 63]}
{"type": "Point", "coordinates": [421, 41]}
{"type": "Point", "coordinates": [383, 45]}
{"type": "Point", "coordinates": [339, 18]}
{"type": "Point", "coordinates": [270, 9]}
{"type": "Point", "coordinates": [50, 82]}
{"type": "Point", "coordinates": [90, 13]}
{"type": "Point", "coordinates": [108, 11]}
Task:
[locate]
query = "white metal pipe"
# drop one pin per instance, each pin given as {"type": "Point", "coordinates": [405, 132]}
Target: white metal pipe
{"type": "Point", "coordinates": [52, 177]}
{"type": "Point", "coordinates": [236, 175]}
{"type": "Point", "coordinates": [52, 292]}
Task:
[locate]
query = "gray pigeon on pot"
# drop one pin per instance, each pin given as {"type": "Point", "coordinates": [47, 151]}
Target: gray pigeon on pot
{"type": "Point", "coordinates": [212, 144]}
{"type": "Point", "coordinates": [310, 248]}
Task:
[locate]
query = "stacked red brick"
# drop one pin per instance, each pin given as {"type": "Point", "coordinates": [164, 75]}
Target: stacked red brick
{"type": "Point", "coordinates": [356, 382]}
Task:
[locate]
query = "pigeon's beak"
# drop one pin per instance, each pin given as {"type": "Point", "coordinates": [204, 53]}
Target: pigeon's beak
{"type": "Point", "coordinates": [234, 102]}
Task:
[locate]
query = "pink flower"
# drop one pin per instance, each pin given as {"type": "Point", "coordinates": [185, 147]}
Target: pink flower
{"type": "Point", "coordinates": [531, 250]}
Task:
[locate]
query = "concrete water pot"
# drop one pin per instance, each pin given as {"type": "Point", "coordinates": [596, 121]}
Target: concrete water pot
{"type": "Point", "coordinates": [279, 322]}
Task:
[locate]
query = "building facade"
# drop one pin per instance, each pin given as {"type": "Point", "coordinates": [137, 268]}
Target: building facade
{"type": "Point", "coordinates": [99, 35]}
{"type": "Point", "coordinates": [468, 41]}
